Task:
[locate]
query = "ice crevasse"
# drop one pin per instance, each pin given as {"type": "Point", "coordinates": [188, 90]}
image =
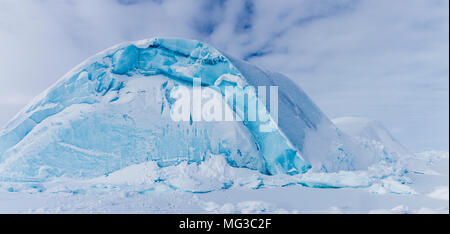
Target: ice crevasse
{"type": "Point", "coordinates": [113, 110]}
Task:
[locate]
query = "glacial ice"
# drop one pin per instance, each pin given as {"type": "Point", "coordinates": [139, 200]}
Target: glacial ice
{"type": "Point", "coordinates": [113, 111]}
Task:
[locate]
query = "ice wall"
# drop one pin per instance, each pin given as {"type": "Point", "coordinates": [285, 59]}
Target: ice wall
{"type": "Point", "coordinates": [93, 120]}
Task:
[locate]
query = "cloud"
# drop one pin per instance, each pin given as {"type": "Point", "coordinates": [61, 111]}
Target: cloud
{"type": "Point", "coordinates": [386, 60]}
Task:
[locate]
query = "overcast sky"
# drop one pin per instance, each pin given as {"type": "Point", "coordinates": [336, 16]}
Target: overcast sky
{"type": "Point", "coordinates": [383, 59]}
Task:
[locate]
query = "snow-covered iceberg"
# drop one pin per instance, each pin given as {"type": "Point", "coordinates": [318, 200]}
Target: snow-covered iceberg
{"type": "Point", "coordinates": [365, 129]}
{"type": "Point", "coordinates": [113, 111]}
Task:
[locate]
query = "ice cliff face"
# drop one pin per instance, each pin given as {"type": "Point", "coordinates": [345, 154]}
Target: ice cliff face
{"type": "Point", "coordinates": [113, 110]}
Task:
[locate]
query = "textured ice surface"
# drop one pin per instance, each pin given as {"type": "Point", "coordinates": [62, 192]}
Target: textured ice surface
{"type": "Point", "coordinates": [113, 110]}
{"type": "Point", "coordinates": [215, 187]}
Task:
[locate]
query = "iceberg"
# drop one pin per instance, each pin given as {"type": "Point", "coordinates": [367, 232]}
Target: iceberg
{"type": "Point", "coordinates": [370, 130]}
{"type": "Point", "coordinates": [114, 110]}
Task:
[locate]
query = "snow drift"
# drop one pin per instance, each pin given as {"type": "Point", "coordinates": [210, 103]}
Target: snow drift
{"type": "Point", "coordinates": [113, 111]}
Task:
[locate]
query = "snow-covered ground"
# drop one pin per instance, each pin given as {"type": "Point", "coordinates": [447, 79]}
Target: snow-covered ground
{"type": "Point", "coordinates": [215, 187]}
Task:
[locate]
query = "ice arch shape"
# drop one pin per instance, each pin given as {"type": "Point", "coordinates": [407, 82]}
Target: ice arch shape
{"type": "Point", "coordinates": [112, 111]}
